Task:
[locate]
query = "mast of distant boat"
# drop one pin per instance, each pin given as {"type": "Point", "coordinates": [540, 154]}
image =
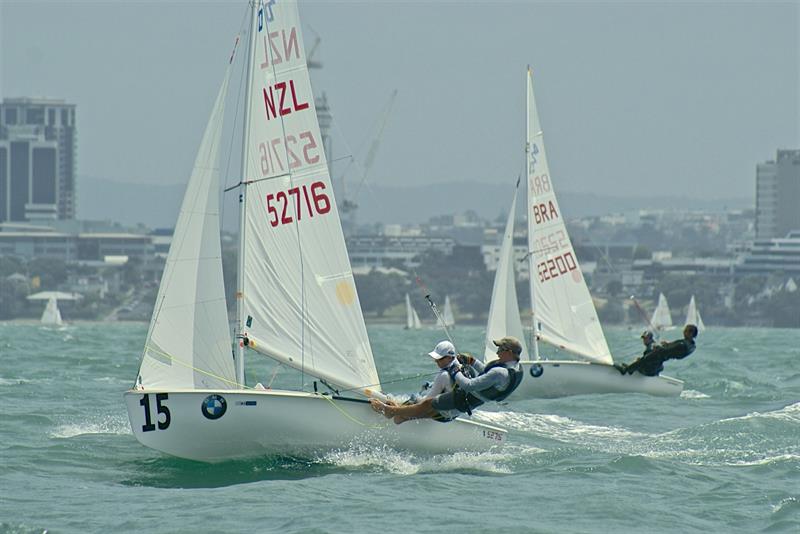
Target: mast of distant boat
{"type": "Point", "coordinates": [531, 260]}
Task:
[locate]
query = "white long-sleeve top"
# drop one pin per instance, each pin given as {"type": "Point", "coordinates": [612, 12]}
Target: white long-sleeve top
{"type": "Point", "coordinates": [441, 384]}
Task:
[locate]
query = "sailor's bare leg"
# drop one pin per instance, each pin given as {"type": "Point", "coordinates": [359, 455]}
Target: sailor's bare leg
{"type": "Point", "coordinates": [405, 412]}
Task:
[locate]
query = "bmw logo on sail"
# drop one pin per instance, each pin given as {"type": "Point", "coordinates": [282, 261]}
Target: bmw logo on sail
{"type": "Point", "coordinates": [214, 406]}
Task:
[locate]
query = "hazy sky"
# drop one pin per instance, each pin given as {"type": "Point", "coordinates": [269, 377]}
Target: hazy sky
{"type": "Point", "coordinates": [635, 97]}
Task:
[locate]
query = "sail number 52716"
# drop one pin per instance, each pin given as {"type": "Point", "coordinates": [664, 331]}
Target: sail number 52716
{"type": "Point", "coordinates": [311, 199]}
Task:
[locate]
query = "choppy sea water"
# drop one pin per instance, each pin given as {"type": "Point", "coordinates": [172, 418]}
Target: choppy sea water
{"type": "Point", "coordinates": [723, 457]}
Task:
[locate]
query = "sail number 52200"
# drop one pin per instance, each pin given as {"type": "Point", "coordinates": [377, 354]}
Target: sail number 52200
{"type": "Point", "coordinates": [286, 206]}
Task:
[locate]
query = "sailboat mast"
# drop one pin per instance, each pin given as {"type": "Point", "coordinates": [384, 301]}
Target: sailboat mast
{"type": "Point", "coordinates": [531, 259]}
{"type": "Point", "coordinates": [243, 199]}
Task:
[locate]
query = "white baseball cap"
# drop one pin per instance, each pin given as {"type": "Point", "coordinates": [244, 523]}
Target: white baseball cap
{"type": "Point", "coordinates": [444, 348]}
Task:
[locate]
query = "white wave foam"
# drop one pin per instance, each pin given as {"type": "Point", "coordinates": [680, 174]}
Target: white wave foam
{"type": "Point", "coordinates": [110, 425]}
{"type": "Point", "coordinates": [494, 461]}
{"type": "Point", "coordinates": [790, 413]}
{"type": "Point", "coordinates": [560, 428]}
{"type": "Point", "coordinates": [13, 381]}
{"type": "Point", "coordinates": [693, 394]}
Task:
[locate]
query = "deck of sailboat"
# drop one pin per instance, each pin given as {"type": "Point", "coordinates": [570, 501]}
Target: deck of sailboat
{"type": "Point", "coordinates": [262, 422]}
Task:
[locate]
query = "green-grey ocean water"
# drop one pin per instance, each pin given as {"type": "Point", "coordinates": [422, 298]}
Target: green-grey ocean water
{"type": "Point", "coordinates": [724, 457]}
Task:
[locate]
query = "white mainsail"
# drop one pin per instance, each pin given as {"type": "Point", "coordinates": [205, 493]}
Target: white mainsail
{"type": "Point", "coordinates": [504, 318]}
{"type": "Point", "coordinates": [300, 304]}
{"type": "Point", "coordinates": [693, 316]}
{"type": "Point", "coordinates": [662, 319]}
{"type": "Point", "coordinates": [51, 315]}
{"type": "Point", "coordinates": [563, 311]}
{"type": "Point", "coordinates": [188, 344]}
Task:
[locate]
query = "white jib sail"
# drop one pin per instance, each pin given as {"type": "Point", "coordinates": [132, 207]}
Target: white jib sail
{"type": "Point", "coordinates": [504, 319]}
{"type": "Point", "coordinates": [51, 314]}
{"type": "Point", "coordinates": [562, 305]}
{"type": "Point", "coordinates": [693, 316]}
{"type": "Point", "coordinates": [188, 344]}
{"type": "Point", "coordinates": [300, 302]}
{"type": "Point", "coordinates": [662, 318]}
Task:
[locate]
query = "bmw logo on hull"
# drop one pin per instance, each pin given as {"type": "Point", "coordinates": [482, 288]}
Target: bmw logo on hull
{"type": "Point", "coordinates": [536, 370]}
{"type": "Point", "coordinates": [214, 406]}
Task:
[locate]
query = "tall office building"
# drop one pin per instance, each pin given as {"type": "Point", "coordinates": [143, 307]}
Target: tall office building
{"type": "Point", "coordinates": [778, 195]}
{"type": "Point", "coordinates": [37, 159]}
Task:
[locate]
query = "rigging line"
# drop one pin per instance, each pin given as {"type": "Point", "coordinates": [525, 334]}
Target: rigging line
{"type": "Point", "coordinates": [434, 308]}
{"type": "Point", "coordinates": [256, 180]}
{"type": "Point", "coordinates": [347, 415]}
{"type": "Point", "coordinates": [193, 368]}
{"type": "Point", "coordinates": [242, 82]}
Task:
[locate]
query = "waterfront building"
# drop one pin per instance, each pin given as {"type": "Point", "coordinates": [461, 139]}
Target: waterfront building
{"type": "Point", "coordinates": [778, 195]}
{"type": "Point", "coordinates": [37, 159]}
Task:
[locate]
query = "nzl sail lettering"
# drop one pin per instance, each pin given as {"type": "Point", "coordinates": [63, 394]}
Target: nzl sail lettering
{"type": "Point", "coordinates": [299, 149]}
{"type": "Point", "coordinates": [288, 51]}
{"type": "Point", "coordinates": [277, 95]}
{"type": "Point", "coordinates": [284, 207]}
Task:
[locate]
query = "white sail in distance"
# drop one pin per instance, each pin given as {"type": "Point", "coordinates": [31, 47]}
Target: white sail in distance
{"type": "Point", "coordinates": [188, 344]}
{"type": "Point", "coordinates": [564, 313]}
{"type": "Point", "coordinates": [51, 315]}
{"type": "Point", "coordinates": [412, 319]}
{"type": "Point", "coordinates": [504, 318]}
{"type": "Point", "coordinates": [662, 319]}
{"type": "Point", "coordinates": [693, 316]}
{"type": "Point", "coordinates": [300, 304]}
{"type": "Point", "coordinates": [447, 314]}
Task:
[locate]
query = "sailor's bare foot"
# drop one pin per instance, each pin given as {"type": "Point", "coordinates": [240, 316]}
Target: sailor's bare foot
{"type": "Point", "coordinates": [379, 407]}
{"type": "Point", "coordinates": [400, 419]}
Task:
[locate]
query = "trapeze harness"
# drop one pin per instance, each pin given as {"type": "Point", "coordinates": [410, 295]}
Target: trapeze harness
{"type": "Point", "coordinates": [465, 402]}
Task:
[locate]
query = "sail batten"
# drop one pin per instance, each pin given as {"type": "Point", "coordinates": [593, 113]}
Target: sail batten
{"type": "Point", "coordinates": [564, 312]}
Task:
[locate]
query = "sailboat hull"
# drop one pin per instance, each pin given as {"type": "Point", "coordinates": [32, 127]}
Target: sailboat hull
{"type": "Point", "coordinates": [547, 379]}
{"type": "Point", "coordinates": [217, 425]}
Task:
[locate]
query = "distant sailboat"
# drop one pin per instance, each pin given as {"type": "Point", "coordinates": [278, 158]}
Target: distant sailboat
{"type": "Point", "coordinates": [662, 319]}
{"type": "Point", "coordinates": [447, 314]}
{"type": "Point", "coordinates": [693, 316]}
{"type": "Point", "coordinates": [564, 316]}
{"type": "Point", "coordinates": [412, 319]}
{"type": "Point", "coordinates": [296, 298]}
{"type": "Point", "coordinates": [51, 315]}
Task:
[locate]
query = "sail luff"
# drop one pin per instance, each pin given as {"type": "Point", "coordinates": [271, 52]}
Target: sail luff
{"type": "Point", "coordinates": [561, 300]}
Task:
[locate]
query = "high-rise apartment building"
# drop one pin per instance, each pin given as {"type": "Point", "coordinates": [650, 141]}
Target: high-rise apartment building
{"type": "Point", "coordinates": [778, 195]}
{"type": "Point", "coordinates": [37, 159]}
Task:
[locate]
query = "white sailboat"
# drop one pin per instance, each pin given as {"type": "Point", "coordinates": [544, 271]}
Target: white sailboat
{"type": "Point", "coordinates": [447, 318]}
{"type": "Point", "coordinates": [662, 318]}
{"type": "Point", "coordinates": [296, 299]}
{"type": "Point", "coordinates": [51, 315]}
{"type": "Point", "coordinates": [412, 319]}
{"type": "Point", "coordinates": [564, 316]}
{"type": "Point", "coordinates": [693, 316]}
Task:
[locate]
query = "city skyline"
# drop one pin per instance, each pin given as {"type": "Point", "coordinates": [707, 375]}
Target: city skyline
{"type": "Point", "coordinates": [636, 98]}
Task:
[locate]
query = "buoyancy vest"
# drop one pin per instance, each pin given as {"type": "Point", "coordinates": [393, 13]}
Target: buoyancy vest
{"type": "Point", "coordinates": [515, 374]}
